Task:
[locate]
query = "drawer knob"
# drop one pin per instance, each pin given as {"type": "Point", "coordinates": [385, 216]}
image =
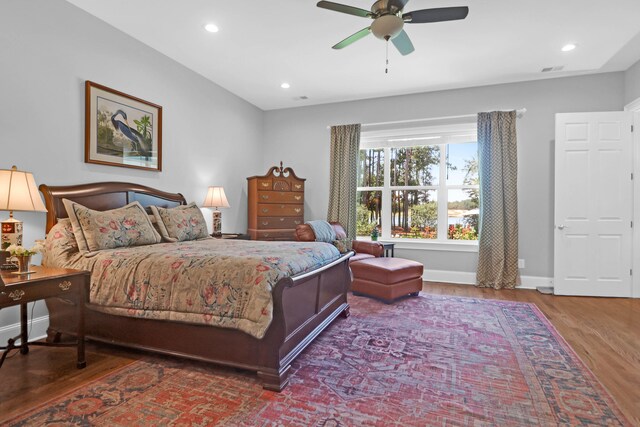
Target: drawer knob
{"type": "Point", "coordinates": [297, 222]}
{"type": "Point", "coordinates": [16, 295]}
{"type": "Point", "coordinates": [65, 285]}
{"type": "Point", "coordinates": [281, 219]}
{"type": "Point", "coordinates": [265, 222]}
{"type": "Point", "coordinates": [265, 197]}
{"type": "Point", "coordinates": [297, 210]}
{"type": "Point", "coordinates": [282, 206]}
{"type": "Point", "coordinates": [298, 197]}
{"type": "Point", "coordinates": [298, 186]}
{"type": "Point", "coordinates": [265, 184]}
{"type": "Point", "coordinates": [266, 234]}
{"type": "Point", "coordinates": [265, 210]}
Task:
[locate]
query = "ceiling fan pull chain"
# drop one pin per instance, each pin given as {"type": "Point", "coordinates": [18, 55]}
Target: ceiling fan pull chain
{"type": "Point", "coordinates": [386, 69]}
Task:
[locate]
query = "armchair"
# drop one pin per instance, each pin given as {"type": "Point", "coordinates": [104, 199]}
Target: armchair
{"type": "Point", "coordinates": [363, 249]}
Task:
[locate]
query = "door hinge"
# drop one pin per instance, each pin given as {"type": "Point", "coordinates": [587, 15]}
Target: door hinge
{"type": "Point", "coordinates": [632, 177]}
{"type": "Point", "coordinates": [631, 128]}
{"type": "Point", "coordinates": [631, 224]}
{"type": "Point", "coordinates": [631, 272]}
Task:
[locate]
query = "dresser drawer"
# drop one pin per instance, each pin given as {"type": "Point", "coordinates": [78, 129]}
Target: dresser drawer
{"type": "Point", "coordinates": [11, 295]}
{"type": "Point", "coordinates": [276, 235]}
{"type": "Point", "coordinates": [279, 197]}
{"type": "Point", "coordinates": [265, 209]}
{"type": "Point", "coordinates": [265, 184]}
{"type": "Point", "coordinates": [271, 222]}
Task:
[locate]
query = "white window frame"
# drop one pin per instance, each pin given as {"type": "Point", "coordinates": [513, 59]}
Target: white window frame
{"type": "Point", "coordinates": [431, 135]}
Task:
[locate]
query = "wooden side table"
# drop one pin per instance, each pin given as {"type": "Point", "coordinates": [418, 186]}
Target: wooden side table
{"type": "Point", "coordinates": [233, 236]}
{"type": "Point", "coordinates": [45, 283]}
{"type": "Point", "coordinates": [389, 248]}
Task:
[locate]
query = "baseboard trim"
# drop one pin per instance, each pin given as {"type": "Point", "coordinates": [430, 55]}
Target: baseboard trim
{"type": "Point", "coordinates": [469, 278]}
{"type": "Point", "coordinates": [38, 330]}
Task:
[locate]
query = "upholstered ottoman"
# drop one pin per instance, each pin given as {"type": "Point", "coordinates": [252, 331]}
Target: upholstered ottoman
{"type": "Point", "coordinates": [386, 278]}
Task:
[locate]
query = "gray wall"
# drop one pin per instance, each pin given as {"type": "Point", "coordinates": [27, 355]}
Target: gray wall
{"type": "Point", "coordinates": [300, 138]}
{"type": "Point", "coordinates": [48, 48]}
{"type": "Point", "coordinates": [632, 83]}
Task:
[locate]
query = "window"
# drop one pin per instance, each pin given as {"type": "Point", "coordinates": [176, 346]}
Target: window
{"type": "Point", "coordinates": [419, 183]}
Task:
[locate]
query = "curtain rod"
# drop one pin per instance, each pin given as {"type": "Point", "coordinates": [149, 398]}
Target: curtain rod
{"type": "Point", "coordinates": [519, 112]}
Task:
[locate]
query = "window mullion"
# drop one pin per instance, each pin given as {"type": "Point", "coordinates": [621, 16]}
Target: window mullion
{"type": "Point", "coordinates": [442, 195]}
{"type": "Point", "coordinates": [386, 196]}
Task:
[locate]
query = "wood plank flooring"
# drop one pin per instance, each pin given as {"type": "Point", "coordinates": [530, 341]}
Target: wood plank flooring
{"type": "Point", "coordinates": [605, 332]}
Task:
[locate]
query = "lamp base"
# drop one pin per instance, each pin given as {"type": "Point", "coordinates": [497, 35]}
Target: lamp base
{"type": "Point", "coordinates": [217, 223]}
{"type": "Point", "coordinates": [11, 232]}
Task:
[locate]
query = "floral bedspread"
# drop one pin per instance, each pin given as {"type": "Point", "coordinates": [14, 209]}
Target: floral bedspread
{"type": "Point", "coordinates": [225, 283]}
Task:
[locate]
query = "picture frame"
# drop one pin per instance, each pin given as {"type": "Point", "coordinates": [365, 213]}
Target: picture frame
{"type": "Point", "coordinates": [121, 130]}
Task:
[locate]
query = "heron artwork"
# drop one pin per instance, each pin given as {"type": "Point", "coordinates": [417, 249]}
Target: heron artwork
{"type": "Point", "coordinates": [139, 141]}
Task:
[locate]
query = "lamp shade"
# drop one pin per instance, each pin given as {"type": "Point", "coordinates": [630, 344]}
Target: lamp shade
{"type": "Point", "coordinates": [18, 191]}
{"type": "Point", "coordinates": [215, 198]}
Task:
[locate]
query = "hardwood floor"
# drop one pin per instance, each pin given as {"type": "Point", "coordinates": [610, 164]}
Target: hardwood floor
{"type": "Point", "coordinates": [604, 332]}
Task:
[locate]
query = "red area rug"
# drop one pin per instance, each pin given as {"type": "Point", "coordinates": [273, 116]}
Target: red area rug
{"type": "Point", "coordinates": [427, 361]}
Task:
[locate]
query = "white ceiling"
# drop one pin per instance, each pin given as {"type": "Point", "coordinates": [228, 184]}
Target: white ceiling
{"type": "Point", "coordinates": [264, 43]}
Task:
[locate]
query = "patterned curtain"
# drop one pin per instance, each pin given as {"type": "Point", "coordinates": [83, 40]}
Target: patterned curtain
{"type": "Point", "coordinates": [345, 144]}
{"type": "Point", "coordinates": [498, 171]}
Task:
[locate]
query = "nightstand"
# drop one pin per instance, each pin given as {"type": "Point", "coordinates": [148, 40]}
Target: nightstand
{"type": "Point", "coordinates": [45, 283]}
{"type": "Point", "coordinates": [234, 236]}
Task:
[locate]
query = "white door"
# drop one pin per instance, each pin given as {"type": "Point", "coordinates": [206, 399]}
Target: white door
{"type": "Point", "coordinates": [593, 204]}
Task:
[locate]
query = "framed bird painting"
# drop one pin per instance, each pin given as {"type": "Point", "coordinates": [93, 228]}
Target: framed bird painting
{"type": "Point", "coordinates": [122, 130]}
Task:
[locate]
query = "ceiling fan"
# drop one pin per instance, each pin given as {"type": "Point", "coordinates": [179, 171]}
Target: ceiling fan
{"type": "Point", "coordinates": [388, 20]}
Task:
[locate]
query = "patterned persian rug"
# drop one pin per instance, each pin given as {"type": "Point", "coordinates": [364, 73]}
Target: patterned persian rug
{"type": "Point", "coordinates": [426, 361]}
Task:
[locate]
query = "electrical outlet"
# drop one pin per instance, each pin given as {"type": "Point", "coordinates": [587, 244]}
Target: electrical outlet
{"type": "Point", "coordinates": [520, 263]}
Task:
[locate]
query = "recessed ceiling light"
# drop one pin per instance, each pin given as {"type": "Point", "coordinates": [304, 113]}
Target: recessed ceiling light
{"type": "Point", "coordinates": [212, 28]}
{"type": "Point", "coordinates": [568, 47]}
{"type": "Point", "coordinates": [285, 85]}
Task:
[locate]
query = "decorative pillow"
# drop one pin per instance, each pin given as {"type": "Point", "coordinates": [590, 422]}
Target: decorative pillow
{"type": "Point", "coordinates": [116, 228]}
{"type": "Point", "coordinates": [323, 230]}
{"type": "Point", "coordinates": [343, 245]}
{"type": "Point", "coordinates": [59, 244]}
{"type": "Point", "coordinates": [181, 223]}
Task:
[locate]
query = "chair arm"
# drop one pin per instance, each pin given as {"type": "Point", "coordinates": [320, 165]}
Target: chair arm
{"type": "Point", "coordinates": [304, 233]}
{"type": "Point", "coordinates": [372, 248]}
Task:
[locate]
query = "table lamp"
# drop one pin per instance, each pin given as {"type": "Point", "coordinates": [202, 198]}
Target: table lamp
{"type": "Point", "coordinates": [216, 199]}
{"type": "Point", "coordinates": [18, 192]}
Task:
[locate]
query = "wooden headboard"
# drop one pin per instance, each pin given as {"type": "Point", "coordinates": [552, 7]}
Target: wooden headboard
{"type": "Point", "coordinates": [102, 196]}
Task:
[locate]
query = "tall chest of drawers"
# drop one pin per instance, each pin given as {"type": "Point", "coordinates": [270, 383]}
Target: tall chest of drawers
{"type": "Point", "coordinates": [276, 204]}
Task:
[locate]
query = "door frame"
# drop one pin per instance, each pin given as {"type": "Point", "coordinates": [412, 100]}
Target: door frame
{"type": "Point", "coordinates": [635, 108]}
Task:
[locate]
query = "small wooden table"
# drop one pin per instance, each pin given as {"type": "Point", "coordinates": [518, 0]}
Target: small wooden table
{"type": "Point", "coordinates": [389, 248]}
{"type": "Point", "coordinates": [233, 236]}
{"type": "Point", "coordinates": [44, 283]}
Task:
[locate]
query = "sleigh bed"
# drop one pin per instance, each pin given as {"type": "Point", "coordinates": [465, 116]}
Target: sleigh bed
{"type": "Point", "coordinates": [302, 305]}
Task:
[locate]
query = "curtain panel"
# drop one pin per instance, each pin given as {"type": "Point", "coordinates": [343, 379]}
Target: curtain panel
{"type": "Point", "coordinates": [498, 171]}
{"type": "Point", "coordinates": [343, 178]}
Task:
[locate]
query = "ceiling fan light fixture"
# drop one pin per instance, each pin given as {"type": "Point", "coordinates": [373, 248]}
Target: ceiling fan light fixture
{"type": "Point", "coordinates": [387, 26]}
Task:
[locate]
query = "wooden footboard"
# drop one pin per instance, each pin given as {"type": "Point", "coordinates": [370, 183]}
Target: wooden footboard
{"type": "Point", "coordinates": [303, 307]}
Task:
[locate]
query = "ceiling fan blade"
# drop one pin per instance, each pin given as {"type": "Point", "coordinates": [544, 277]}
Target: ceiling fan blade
{"type": "Point", "coordinates": [344, 8]}
{"type": "Point", "coordinates": [353, 38]}
{"type": "Point", "coordinates": [402, 42]}
{"type": "Point", "coordinates": [436, 15]}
